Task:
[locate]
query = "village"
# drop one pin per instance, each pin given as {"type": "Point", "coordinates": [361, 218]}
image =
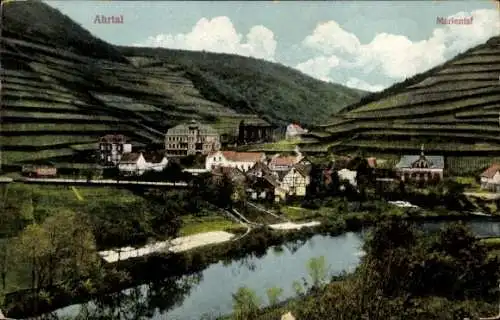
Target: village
{"type": "Point", "coordinates": [272, 177]}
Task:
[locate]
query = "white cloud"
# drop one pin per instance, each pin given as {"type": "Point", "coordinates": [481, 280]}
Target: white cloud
{"type": "Point", "coordinates": [363, 85]}
{"type": "Point", "coordinates": [319, 67]}
{"type": "Point", "coordinates": [395, 55]}
{"type": "Point", "coordinates": [219, 35]}
{"type": "Point", "coordinates": [330, 38]}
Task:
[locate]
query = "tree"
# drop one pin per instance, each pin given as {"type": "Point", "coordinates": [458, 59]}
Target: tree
{"type": "Point", "coordinates": [315, 188]}
{"type": "Point", "coordinates": [318, 271]}
{"type": "Point", "coordinates": [32, 247]}
{"type": "Point", "coordinates": [72, 251]}
{"type": "Point", "coordinates": [164, 221]}
{"type": "Point", "coordinates": [245, 304]}
{"type": "Point", "coordinates": [273, 294]}
{"type": "Point", "coordinates": [225, 192]}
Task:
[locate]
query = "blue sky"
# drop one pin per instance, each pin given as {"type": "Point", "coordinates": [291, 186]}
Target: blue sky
{"type": "Point", "coordinates": [363, 44]}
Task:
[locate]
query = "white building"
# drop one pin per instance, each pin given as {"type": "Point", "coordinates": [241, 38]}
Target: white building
{"type": "Point", "coordinates": [490, 178]}
{"type": "Point", "coordinates": [133, 164]}
{"type": "Point", "coordinates": [349, 175]}
{"type": "Point", "coordinates": [155, 161]}
{"type": "Point", "coordinates": [294, 130]}
{"type": "Point", "coordinates": [240, 160]}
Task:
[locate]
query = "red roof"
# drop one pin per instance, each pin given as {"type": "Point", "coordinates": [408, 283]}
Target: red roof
{"type": "Point", "coordinates": [284, 161]}
{"type": "Point", "coordinates": [242, 156]}
{"type": "Point", "coordinates": [491, 171]}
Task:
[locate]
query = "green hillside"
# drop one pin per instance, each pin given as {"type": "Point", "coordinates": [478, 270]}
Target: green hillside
{"type": "Point", "coordinates": [453, 109]}
{"type": "Point", "coordinates": [62, 88]}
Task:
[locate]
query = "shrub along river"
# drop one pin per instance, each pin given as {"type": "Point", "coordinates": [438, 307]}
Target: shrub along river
{"type": "Point", "coordinates": [210, 291]}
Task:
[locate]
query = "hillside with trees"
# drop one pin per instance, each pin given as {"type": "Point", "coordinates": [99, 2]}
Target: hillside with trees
{"type": "Point", "coordinates": [62, 88]}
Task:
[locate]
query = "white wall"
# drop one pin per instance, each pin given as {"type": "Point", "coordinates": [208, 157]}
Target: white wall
{"type": "Point", "coordinates": [218, 159]}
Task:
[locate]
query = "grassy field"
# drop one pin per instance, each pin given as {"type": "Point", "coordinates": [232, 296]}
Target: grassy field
{"type": "Point", "coordinates": [452, 109]}
{"type": "Point", "coordinates": [193, 225]}
{"type": "Point", "coordinates": [56, 73]}
{"type": "Point", "coordinates": [279, 146]}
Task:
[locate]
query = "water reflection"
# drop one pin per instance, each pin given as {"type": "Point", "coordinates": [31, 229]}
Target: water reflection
{"type": "Point", "coordinates": [209, 294]}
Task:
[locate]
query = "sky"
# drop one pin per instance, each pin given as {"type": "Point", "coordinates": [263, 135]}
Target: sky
{"type": "Point", "coordinates": [368, 45]}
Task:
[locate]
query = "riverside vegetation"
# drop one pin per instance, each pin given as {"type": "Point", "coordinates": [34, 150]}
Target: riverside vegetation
{"type": "Point", "coordinates": [404, 275]}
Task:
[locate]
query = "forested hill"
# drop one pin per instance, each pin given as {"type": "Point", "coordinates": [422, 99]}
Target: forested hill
{"type": "Point", "coordinates": [452, 109]}
{"type": "Point", "coordinates": [62, 88]}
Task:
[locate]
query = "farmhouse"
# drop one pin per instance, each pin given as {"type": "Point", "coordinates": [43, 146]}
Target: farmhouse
{"type": "Point", "coordinates": [420, 168]}
{"type": "Point", "coordinates": [294, 182]}
{"type": "Point", "coordinates": [132, 164]}
{"type": "Point", "coordinates": [190, 139]}
{"type": "Point", "coordinates": [262, 182]}
{"type": "Point", "coordinates": [241, 160]}
{"type": "Point", "coordinates": [112, 147]}
{"type": "Point", "coordinates": [490, 178]}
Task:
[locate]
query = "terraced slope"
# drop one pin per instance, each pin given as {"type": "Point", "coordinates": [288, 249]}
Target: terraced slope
{"type": "Point", "coordinates": [62, 88]}
{"type": "Point", "coordinates": [453, 109]}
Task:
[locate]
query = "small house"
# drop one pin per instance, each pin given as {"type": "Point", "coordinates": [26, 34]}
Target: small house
{"type": "Point", "coordinates": [294, 130]}
{"type": "Point", "coordinates": [39, 171]}
{"type": "Point", "coordinates": [155, 161]}
{"type": "Point", "coordinates": [262, 182]}
{"type": "Point", "coordinates": [240, 160]}
{"type": "Point", "coordinates": [133, 164]}
{"type": "Point", "coordinates": [294, 182]}
{"type": "Point", "coordinates": [490, 178]}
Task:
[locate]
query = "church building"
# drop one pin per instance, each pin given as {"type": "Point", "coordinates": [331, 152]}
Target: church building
{"type": "Point", "coordinates": [421, 168]}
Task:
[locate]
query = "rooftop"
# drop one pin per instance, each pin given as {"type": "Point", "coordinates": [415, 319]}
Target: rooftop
{"type": "Point", "coordinates": [491, 171]}
{"type": "Point", "coordinates": [435, 162]}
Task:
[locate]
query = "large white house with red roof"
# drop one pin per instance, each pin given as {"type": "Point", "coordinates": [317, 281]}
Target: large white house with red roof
{"type": "Point", "coordinates": [490, 178]}
{"type": "Point", "coordinates": [240, 160]}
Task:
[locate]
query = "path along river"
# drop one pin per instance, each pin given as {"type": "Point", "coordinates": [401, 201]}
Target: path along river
{"type": "Point", "coordinates": [279, 267]}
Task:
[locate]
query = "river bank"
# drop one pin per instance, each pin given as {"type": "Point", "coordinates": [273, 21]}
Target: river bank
{"type": "Point", "coordinates": [156, 266]}
{"type": "Point", "coordinates": [212, 289]}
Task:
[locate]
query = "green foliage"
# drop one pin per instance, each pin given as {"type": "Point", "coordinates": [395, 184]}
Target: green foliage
{"type": "Point", "coordinates": [60, 251]}
{"type": "Point", "coordinates": [245, 304]}
{"type": "Point", "coordinates": [250, 85]}
{"type": "Point", "coordinates": [318, 271]}
{"type": "Point", "coordinates": [273, 295]}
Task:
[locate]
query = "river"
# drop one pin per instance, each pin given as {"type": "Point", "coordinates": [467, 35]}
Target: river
{"type": "Point", "coordinates": [211, 291]}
